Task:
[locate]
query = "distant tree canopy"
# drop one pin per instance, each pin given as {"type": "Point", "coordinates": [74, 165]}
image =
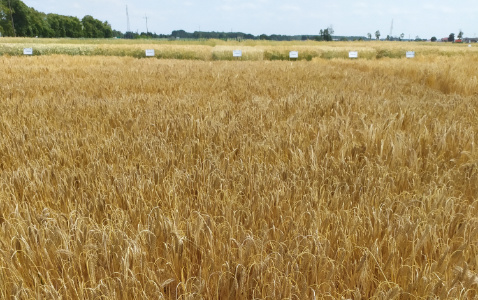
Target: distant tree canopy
{"type": "Point", "coordinates": [325, 34]}
{"type": "Point", "coordinates": [460, 34]}
{"type": "Point", "coordinates": [93, 28]}
{"type": "Point", "coordinates": [451, 37]}
{"type": "Point", "coordinates": [181, 34]}
{"type": "Point", "coordinates": [17, 19]}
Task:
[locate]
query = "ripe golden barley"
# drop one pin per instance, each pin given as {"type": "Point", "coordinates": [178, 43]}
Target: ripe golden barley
{"type": "Point", "coordinates": [129, 179]}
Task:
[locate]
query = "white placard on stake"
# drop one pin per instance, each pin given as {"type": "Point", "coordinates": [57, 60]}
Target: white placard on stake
{"type": "Point", "coordinates": [294, 54]}
{"type": "Point", "coordinates": [353, 54]}
{"type": "Point", "coordinates": [149, 52]}
{"type": "Point", "coordinates": [469, 45]}
{"type": "Point", "coordinates": [237, 53]}
{"type": "Point", "coordinates": [28, 51]}
{"type": "Point", "coordinates": [410, 54]}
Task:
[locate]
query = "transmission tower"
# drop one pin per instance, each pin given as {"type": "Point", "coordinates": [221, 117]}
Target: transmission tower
{"type": "Point", "coordinates": [128, 29]}
{"type": "Point", "coordinates": [146, 18]}
{"type": "Point", "coordinates": [391, 30]}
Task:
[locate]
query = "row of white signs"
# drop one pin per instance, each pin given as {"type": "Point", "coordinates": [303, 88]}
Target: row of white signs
{"type": "Point", "coordinates": [292, 54]}
{"type": "Point", "coordinates": [295, 54]}
{"type": "Point", "coordinates": [238, 53]}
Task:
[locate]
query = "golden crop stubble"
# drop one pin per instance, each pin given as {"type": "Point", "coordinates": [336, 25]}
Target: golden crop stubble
{"type": "Point", "coordinates": [122, 177]}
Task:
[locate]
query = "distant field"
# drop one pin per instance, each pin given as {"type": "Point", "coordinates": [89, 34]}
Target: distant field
{"type": "Point", "coordinates": [126, 178]}
{"type": "Point", "coordinates": [209, 50]}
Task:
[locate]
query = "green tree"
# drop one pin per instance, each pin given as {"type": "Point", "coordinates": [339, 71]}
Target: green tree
{"type": "Point", "coordinates": [64, 26]}
{"type": "Point", "coordinates": [73, 27]}
{"type": "Point", "coordinates": [377, 34]}
{"type": "Point", "coordinates": [129, 35]}
{"type": "Point", "coordinates": [451, 37]}
{"type": "Point", "coordinates": [402, 36]}
{"type": "Point", "coordinates": [93, 28]}
{"type": "Point", "coordinates": [181, 34]}
{"type": "Point", "coordinates": [56, 25]}
{"type": "Point", "coordinates": [118, 34]}
{"type": "Point", "coordinates": [369, 35]}
{"type": "Point", "coordinates": [38, 24]}
{"type": "Point", "coordinates": [433, 39]}
{"type": "Point", "coordinates": [460, 34]}
{"type": "Point", "coordinates": [326, 34]}
{"type": "Point", "coordinates": [20, 18]}
{"type": "Point", "coordinates": [17, 19]}
{"type": "Point", "coordinates": [6, 28]}
{"type": "Point", "coordinates": [107, 30]}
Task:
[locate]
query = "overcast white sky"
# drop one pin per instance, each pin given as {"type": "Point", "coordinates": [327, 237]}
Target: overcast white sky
{"type": "Point", "coordinates": [425, 18]}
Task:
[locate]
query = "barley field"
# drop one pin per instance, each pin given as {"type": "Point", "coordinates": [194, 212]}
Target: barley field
{"type": "Point", "coordinates": [126, 178]}
{"type": "Point", "coordinates": [219, 50]}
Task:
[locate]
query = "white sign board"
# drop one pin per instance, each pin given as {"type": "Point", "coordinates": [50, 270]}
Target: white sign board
{"type": "Point", "coordinates": [294, 54]}
{"type": "Point", "coordinates": [237, 53]}
{"type": "Point", "coordinates": [353, 54]}
{"type": "Point", "coordinates": [410, 54]}
{"type": "Point", "coordinates": [28, 51]}
{"type": "Point", "coordinates": [469, 45]}
{"type": "Point", "coordinates": [150, 52]}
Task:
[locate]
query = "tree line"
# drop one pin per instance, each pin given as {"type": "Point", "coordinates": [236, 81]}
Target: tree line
{"type": "Point", "coordinates": [17, 19]}
{"type": "Point", "coordinates": [324, 35]}
{"type": "Point", "coordinates": [182, 34]}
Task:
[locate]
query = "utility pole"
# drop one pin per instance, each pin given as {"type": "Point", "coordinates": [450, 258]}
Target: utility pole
{"type": "Point", "coordinates": [128, 29]}
{"type": "Point", "coordinates": [11, 17]}
{"type": "Point", "coordinates": [146, 17]}
{"type": "Point", "coordinates": [391, 30]}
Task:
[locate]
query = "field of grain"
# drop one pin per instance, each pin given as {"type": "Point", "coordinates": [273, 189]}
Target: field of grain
{"type": "Point", "coordinates": [125, 178]}
{"type": "Point", "coordinates": [219, 50]}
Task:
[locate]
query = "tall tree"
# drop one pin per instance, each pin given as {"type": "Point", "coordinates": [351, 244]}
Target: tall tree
{"type": "Point", "coordinates": [93, 28]}
{"type": "Point", "coordinates": [20, 14]}
{"type": "Point", "coordinates": [181, 34]}
{"type": "Point", "coordinates": [326, 34]}
{"type": "Point", "coordinates": [460, 34]}
{"type": "Point", "coordinates": [6, 28]}
{"type": "Point", "coordinates": [451, 37]}
{"type": "Point", "coordinates": [38, 24]}
{"type": "Point", "coordinates": [17, 19]}
{"type": "Point", "coordinates": [377, 34]}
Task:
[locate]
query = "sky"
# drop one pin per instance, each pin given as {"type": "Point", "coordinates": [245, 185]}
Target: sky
{"type": "Point", "coordinates": [422, 18]}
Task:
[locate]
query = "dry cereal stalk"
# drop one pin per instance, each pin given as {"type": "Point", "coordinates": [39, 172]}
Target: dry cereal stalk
{"type": "Point", "coordinates": [124, 178]}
